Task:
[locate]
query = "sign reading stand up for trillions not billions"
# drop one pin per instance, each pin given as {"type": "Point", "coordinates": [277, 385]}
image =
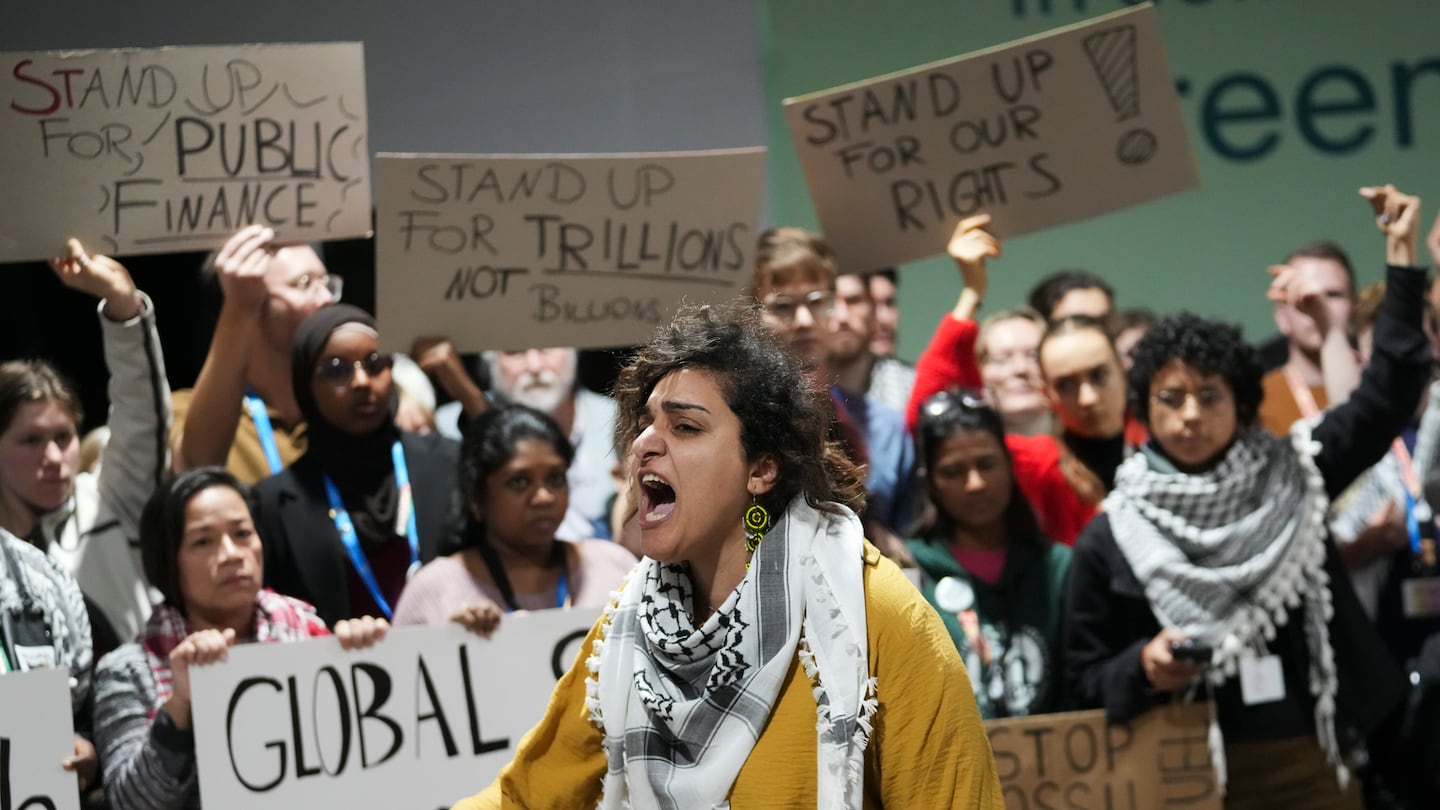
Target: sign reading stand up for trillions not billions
{"type": "Point", "coordinates": [174, 149]}
{"type": "Point", "coordinates": [591, 251]}
{"type": "Point", "coordinates": [1047, 130]}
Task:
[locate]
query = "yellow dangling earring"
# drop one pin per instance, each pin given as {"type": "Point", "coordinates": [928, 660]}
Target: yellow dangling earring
{"type": "Point", "coordinates": [757, 522]}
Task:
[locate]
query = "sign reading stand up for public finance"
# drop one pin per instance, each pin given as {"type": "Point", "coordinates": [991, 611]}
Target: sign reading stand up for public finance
{"type": "Point", "coordinates": [1040, 132]}
{"type": "Point", "coordinates": [420, 720]}
{"type": "Point", "coordinates": [592, 251]}
{"type": "Point", "coordinates": [36, 734]}
{"type": "Point", "coordinates": [174, 149]}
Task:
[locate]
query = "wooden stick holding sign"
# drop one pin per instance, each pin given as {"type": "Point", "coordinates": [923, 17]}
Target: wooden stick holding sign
{"type": "Point", "coordinates": [175, 149]}
{"type": "Point", "coordinates": [421, 719]}
{"type": "Point", "coordinates": [591, 251]}
{"type": "Point", "coordinates": [1047, 130]}
{"type": "Point", "coordinates": [36, 734]}
{"type": "Point", "coordinates": [1075, 759]}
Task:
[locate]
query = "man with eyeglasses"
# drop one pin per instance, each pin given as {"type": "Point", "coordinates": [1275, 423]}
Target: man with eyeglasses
{"type": "Point", "coordinates": [242, 412]}
{"type": "Point", "coordinates": [795, 283]}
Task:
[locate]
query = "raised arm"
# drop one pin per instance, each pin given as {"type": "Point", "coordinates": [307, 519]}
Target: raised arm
{"type": "Point", "coordinates": [949, 360]}
{"type": "Point", "coordinates": [1339, 364]}
{"type": "Point", "coordinates": [214, 413]}
{"type": "Point", "coordinates": [137, 455]}
{"type": "Point", "coordinates": [437, 357]}
{"type": "Point", "coordinates": [970, 245]}
{"type": "Point", "coordinates": [1355, 435]}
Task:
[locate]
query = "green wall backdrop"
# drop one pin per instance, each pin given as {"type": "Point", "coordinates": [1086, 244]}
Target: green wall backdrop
{"type": "Point", "coordinates": [1291, 106]}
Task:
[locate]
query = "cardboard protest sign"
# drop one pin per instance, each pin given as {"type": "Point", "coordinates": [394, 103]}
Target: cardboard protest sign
{"type": "Point", "coordinates": [173, 149]}
{"type": "Point", "coordinates": [425, 717]}
{"type": "Point", "coordinates": [36, 733]}
{"type": "Point", "coordinates": [1043, 131]}
{"type": "Point", "coordinates": [514, 252]}
{"type": "Point", "coordinates": [1075, 760]}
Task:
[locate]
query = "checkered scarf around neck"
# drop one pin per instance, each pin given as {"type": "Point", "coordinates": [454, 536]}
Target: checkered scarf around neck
{"type": "Point", "coordinates": [1226, 555]}
{"type": "Point", "coordinates": [682, 706]}
{"type": "Point", "coordinates": [277, 618]}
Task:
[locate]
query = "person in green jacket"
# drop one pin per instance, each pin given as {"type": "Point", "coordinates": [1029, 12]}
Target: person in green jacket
{"type": "Point", "coordinates": [997, 583]}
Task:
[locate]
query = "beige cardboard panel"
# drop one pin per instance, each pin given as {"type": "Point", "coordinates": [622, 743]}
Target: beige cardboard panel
{"type": "Point", "coordinates": [1075, 760]}
{"type": "Point", "coordinates": [419, 720]}
{"type": "Point", "coordinates": [36, 733]}
{"type": "Point", "coordinates": [174, 149]}
{"type": "Point", "coordinates": [1038, 133]}
{"type": "Point", "coordinates": [512, 252]}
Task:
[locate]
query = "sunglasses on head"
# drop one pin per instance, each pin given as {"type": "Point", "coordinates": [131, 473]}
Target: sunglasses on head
{"type": "Point", "coordinates": [337, 371]}
{"type": "Point", "coordinates": [946, 401]}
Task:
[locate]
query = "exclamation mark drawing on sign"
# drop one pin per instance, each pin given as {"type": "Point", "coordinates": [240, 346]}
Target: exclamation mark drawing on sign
{"type": "Point", "coordinates": [1112, 54]}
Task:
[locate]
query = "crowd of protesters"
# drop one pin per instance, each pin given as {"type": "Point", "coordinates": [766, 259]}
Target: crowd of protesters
{"type": "Point", "coordinates": [1102, 507]}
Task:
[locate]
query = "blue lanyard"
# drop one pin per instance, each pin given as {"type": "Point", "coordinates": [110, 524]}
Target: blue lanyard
{"type": "Point", "coordinates": [404, 514]}
{"type": "Point", "coordinates": [261, 418]}
{"type": "Point", "coordinates": [491, 558]}
{"type": "Point", "coordinates": [562, 590]}
{"type": "Point", "coordinates": [1416, 511]}
{"type": "Point", "coordinates": [562, 593]}
{"type": "Point", "coordinates": [1412, 523]}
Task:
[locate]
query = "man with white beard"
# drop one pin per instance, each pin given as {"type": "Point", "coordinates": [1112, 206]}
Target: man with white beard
{"type": "Point", "coordinates": [544, 379]}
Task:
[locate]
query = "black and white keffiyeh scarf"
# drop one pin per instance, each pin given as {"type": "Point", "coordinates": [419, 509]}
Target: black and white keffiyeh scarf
{"type": "Point", "coordinates": [682, 706]}
{"type": "Point", "coordinates": [1226, 555]}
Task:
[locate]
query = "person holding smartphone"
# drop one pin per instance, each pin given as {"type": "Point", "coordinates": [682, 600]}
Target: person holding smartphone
{"type": "Point", "coordinates": [1210, 569]}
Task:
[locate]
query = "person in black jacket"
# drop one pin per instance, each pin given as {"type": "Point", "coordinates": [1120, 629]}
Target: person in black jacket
{"type": "Point", "coordinates": [367, 504]}
{"type": "Point", "coordinates": [1210, 569]}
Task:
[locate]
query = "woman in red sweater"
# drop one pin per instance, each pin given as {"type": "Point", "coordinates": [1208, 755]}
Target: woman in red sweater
{"type": "Point", "coordinates": [1065, 475]}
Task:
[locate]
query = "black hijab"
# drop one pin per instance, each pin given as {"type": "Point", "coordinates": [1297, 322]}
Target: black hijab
{"type": "Point", "coordinates": [360, 466]}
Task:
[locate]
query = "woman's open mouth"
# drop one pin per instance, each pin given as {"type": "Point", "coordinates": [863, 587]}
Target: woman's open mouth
{"type": "Point", "coordinates": [657, 500]}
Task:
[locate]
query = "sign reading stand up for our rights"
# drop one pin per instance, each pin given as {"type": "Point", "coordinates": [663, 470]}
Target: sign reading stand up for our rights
{"type": "Point", "coordinates": [174, 149]}
{"type": "Point", "coordinates": [1047, 130]}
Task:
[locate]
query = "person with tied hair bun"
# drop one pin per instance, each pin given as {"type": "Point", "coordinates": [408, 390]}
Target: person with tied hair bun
{"type": "Point", "coordinates": [758, 606]}
{"type": "Point", "coordinates": [367, 504]}
{"type": "Point", "coordinates": [201, 552]}
{"type": "Point", "coordinates": [1210, 568]}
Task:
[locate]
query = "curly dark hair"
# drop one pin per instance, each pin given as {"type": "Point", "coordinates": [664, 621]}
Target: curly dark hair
{"type": "Point", "coordinates": [1209, 347]}
{"type": "Point", "coordinates": [950, 413]}
{"type": "Point", "coordinates": [782, 413]}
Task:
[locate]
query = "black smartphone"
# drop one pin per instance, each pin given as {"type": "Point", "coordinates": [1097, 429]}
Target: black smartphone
{"type": "Point", "coordinates": [1192, 650]}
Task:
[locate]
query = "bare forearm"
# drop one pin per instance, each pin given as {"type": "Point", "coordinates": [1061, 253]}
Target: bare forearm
{"type": "Point", "coordinates": [214, 412]}
{"type": "Point", "coordinates": [1339, 367]}
{"type": "Point", "coordinates": [967, 305]}
{"type": "Point", "coordinates": [463, 390]}
{"type": "Point", "coordinates": [973, 295]}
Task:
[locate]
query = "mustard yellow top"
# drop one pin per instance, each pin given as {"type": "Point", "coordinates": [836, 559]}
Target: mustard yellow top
{"type": "Point", "coordinates": [247, 460]}
{"type": "Point", "coordinates": [928, 749]}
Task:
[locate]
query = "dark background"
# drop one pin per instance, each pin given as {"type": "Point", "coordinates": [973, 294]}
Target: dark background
{"type": "Point", "coordinates": [457, 76]}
